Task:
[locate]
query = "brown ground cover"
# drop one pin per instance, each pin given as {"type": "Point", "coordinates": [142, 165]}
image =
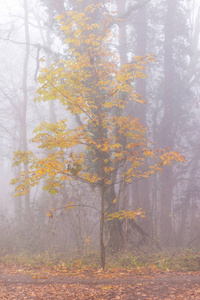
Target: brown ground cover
{"type": "Point", "coordinates": [50, 283]}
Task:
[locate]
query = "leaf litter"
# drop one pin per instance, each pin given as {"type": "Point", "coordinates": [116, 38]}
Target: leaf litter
{"type": "Point", "coordinates": [87, 283]}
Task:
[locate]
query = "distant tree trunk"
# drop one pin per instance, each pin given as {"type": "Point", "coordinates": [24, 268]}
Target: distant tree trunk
{"type": "Point", "coordinates": [18, 201]}
{"type": "Point", "coordinates": [142, 195]}
{"type": "Point", "coordinates": [52, 114]}
{"type": "Point", "coordinates": [192, 73]}
{"type": "Point", "coordinates": [28, 212]}
{"type": "Point", "coordinates": [141, 45]}
{"type": "Point", "coordinates": [166, 137]}
{"type": "Point", "coordinates": [121, 8]}
{"type": "Point", "coordinates": [115, 232]}
{"type": "Point", "coordinates": [102, 247]}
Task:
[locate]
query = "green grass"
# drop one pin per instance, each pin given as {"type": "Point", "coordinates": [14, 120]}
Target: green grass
{"type": "Point", "coordinates": [178, 260]}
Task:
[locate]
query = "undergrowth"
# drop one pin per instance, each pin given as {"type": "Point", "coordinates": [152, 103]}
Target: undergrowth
{"type": "Point", "coordinates": [178, 260]}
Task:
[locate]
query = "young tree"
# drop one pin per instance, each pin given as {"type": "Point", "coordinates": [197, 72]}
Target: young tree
{"type": "Point", "coordinates": [107, 146]}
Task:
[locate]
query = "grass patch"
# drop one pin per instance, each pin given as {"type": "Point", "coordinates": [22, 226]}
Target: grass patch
{"type": "Point", "coordinates": [176, 260]}
{"type": "Point", "coordinates": [26, 259]}
{"type": "Point", "coordinates": [182, 260]}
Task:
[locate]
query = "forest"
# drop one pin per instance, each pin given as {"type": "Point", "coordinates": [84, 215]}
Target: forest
{"type": "Point", "coordinates": [99, 130]}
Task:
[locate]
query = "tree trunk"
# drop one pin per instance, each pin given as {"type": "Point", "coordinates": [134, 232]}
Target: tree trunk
{"type": "Point", "coordinates": [166, 137]}
{"type": "Point", "coordinates": [28, 213]}
{"type": "Point", "coordinates": [102, 247]}
{"type": "Point", "coordinates": [141, 112]}
{"type": "Point", "coordinates": [52, 114]}
{"type": "Point", "coordinates": [121, 8]}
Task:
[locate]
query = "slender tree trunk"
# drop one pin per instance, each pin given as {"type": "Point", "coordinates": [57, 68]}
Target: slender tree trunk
{"type": "Point", "coordinates": [192, 73]}
{"type": "Point", "coordinates": [25, 102]}
{"type": "Point", "coordinates": [52, 114]}
{"type": "Point", "coordinates": [141, 45]}
{"type": "Point", "coordinates": [102, 190]}
{"type": "Point", "coordinates": [102, 247]}
{"type": "Point", "coordinates": [166, 134]}
{"type": "Point", "coordinates": [115, 239]}
{"type": "Point", "coordinates": [121, 7]}
{"type": "Point", "coordinates": [140, 111]}
{"type": "Point", "coordinates": [18, 200]}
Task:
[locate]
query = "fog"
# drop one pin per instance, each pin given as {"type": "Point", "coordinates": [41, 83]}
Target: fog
{"type": "Point", "coordinates": [30, 40]}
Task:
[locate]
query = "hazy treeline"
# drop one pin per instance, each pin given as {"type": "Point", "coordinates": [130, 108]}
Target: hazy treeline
{"type": "Point", "coordinates": [30, 39]}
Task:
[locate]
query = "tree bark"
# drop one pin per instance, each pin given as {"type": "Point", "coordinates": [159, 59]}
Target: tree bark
{"type": "Point", "coordinates": [102, 247]}
{"type": "Point", "coordinates": [121, 8]}
{"type": "Point", "coordinates": [25, 103]}
{"type": "Point", "coordinates": [166, 137]}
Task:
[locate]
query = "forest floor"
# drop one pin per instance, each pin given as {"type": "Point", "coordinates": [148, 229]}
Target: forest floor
{"type": "Point", "coordinates": [23, 282]}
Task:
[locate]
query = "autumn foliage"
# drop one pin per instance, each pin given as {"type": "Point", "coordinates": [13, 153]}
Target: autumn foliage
{"type": "Point", "coordinates": [106, 145]}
